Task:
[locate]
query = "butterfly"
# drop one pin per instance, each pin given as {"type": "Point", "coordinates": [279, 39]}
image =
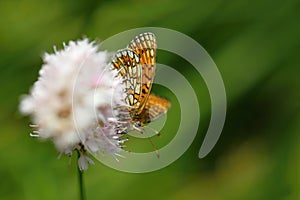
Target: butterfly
{"type": "Point", "coordinates": [136, 65]}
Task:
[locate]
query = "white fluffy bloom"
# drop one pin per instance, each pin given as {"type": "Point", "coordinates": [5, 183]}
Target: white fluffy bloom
{"type": "Point", "coordinates": [73, 101]}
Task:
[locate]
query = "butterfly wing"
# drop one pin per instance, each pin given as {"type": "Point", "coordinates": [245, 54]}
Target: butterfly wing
{"type": "Point", "coordinates": [127, 63]}
{"type": "Point", "coordinates": [155, 107]}
{"type": "Point", "coordinates": [145, 46]}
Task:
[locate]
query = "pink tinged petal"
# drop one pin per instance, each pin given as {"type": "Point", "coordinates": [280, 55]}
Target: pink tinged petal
{"type": "Point", "coordinates": [83, 162]}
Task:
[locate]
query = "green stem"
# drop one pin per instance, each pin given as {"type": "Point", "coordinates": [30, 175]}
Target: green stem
{"type": "Point", "coordinates": [80, 179]}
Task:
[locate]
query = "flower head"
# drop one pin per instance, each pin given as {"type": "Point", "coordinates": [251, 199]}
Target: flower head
{"type": "Point", "coordinates": [72, 102]}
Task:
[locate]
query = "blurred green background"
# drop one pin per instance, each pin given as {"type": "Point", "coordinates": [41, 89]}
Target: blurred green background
{"type": "Point", "coordinates": [255, 45]}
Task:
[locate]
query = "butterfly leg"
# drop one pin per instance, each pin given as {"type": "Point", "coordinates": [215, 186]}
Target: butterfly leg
{"type": "Point", "coordinates": [139, 129]}
{"type": "Point", "coordinates": [152, 129]}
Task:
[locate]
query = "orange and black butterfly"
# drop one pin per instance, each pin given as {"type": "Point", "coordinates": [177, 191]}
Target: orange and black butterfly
{"type": "Point", "coordinates": [136, 65]}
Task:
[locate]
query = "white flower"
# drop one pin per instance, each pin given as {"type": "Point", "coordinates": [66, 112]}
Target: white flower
{"type": "Point", "coordinates": [73, 101]}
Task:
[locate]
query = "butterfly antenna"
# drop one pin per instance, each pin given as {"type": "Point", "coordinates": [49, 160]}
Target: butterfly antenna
{"type": "Point", "coordinates": [154, 147]}
{"type": "Point", "coordinates": [152, 144]}
{"type": "Point", "coordinates": [155, 131]}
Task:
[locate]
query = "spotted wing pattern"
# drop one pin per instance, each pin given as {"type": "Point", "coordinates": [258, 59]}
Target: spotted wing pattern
{"type": "Point", "coordinates": [136, 65]}
{"type": "Point", "coordinates": [145, 46]}
{"type": "Point", "coordinates": [155, 107]}
{"type": "Point", "coordinates": [129, 68]}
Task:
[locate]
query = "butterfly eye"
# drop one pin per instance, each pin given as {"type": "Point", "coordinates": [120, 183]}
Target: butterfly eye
{"type": "Point", "coordinates": [138, 124]}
